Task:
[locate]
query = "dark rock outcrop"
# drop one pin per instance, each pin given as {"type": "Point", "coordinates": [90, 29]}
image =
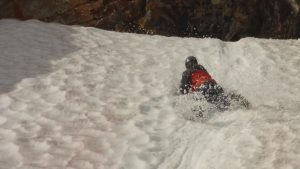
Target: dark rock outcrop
{"type": "Point", "coordinates": [224, 19]}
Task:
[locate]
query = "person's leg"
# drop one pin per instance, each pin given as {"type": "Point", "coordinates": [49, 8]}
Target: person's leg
{"type": "Point", "coordinates": [222, 101]}
{"type": "Point", "coordinates": [239, 99]}
{"type": "Point", "coordinates": [211, 91]}
{"type": "Point", "coordinates": [214, 93]}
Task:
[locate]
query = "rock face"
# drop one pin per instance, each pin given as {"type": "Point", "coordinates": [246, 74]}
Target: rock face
{"type": "Point", "coordinates": [225, 19]}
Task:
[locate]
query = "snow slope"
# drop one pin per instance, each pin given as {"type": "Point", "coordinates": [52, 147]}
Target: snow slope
{"type": "Point", "coordinates": [84, 98]}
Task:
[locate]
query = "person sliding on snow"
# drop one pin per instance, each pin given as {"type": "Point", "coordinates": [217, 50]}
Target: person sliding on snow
{"type": "Point", "coordinates": [196, 79]}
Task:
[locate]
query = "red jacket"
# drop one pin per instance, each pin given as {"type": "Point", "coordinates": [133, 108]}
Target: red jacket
{"type": "Point", "coordinates": [193, 79]}
{"type": "Point", "coordinates": [198, 78]}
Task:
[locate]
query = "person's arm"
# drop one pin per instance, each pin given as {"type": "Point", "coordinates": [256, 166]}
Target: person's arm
{"type": "Point", "coordinates": [185, 83]}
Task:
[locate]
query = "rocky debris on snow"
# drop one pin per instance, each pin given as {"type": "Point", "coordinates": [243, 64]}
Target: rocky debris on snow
{"type": "Point", "coordinates": [225, 19]}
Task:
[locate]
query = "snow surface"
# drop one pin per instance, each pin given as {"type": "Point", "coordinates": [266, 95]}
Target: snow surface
{"type": "Point", "coordinates": [82, 98]}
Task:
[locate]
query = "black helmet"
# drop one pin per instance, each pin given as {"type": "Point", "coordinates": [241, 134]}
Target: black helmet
{"type": "Point", "coordinates": [190, 62]}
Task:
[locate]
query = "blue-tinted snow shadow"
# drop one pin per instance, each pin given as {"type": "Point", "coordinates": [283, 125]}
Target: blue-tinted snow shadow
{"type": "Point", "coordinates": [28, 48]}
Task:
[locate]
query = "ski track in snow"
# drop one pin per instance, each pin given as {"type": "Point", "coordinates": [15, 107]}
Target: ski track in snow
{"type": "Point", "coordinates": [82, 98]}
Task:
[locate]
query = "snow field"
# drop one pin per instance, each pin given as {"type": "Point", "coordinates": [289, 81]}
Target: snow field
{"type": "Point", "coordinates": [75, 97]}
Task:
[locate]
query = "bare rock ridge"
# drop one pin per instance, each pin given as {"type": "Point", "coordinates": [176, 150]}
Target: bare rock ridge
{"type": "Point", "coordinates": [225, 19]}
